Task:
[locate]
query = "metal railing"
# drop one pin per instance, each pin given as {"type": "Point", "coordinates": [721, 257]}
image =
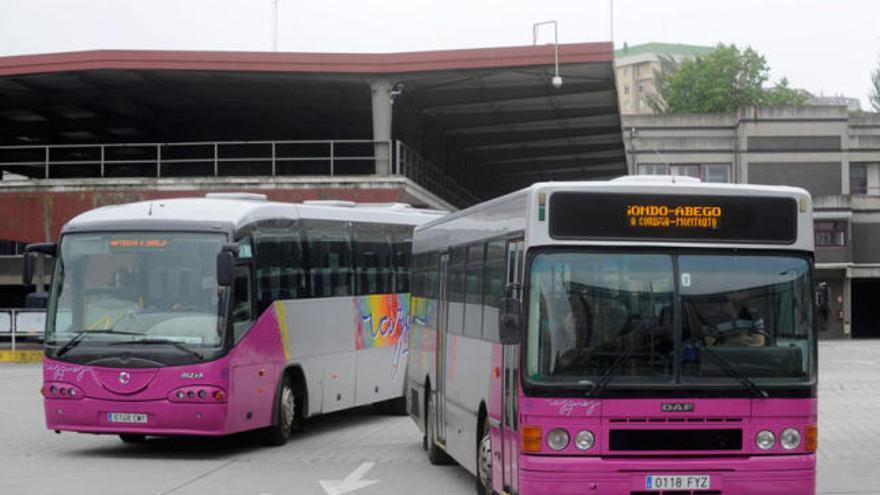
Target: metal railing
{"type": "Point", "coordinates": [231, 159]}
{"type": "Point", "coordinates": [18, 323]}
{"type": "Point", "coordinates": [199, 159]}
{"type": "Point", "coordinates": [411, 164]}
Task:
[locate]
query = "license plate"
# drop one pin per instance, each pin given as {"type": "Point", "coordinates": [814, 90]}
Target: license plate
{"type": "Point", "coordinates": [690, 482]}
{"type": "Point", "coordinates": [127, 418]}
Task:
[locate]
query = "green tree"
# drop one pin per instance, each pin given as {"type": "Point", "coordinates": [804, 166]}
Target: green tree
{"type": "Point", "coordinates": [874, 97]}
{"type": "Point", "coordinates": [721, 81]}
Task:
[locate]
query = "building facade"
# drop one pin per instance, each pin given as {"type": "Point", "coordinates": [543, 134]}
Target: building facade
{"type": "Point", "coordinates": [634, 68]}
{"type": "Point", "coordinates": [825, 150]}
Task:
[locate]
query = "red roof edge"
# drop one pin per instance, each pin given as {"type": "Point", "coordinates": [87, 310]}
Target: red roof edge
{"type": "Point", "coordinates": [349, 63]}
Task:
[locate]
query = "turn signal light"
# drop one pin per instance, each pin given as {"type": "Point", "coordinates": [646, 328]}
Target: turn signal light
{"type": "Point", "coordinates": [531, 439]}
{"type": "Point", "coordinates": [811, 440]}
{"type": "Point", "coordinates": [218, 395]}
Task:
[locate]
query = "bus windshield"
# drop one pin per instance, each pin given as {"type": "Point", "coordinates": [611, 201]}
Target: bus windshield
{"type": "Point", "coordinates": [135, 288]}
{"type": "Point", "coordinates": [610, 319]}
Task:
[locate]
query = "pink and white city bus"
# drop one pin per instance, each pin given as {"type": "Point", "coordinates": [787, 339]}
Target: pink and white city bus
{"type": "Point", "coordinates": [215, 315]}
{"type": "Point", "coordinates": [638, 336]}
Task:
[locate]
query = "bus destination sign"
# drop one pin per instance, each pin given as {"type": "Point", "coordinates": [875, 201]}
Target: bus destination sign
{"type": "Point", "coordinates": [138, 243]}
{"type": "Point", "coordinates": [663, 216]}
{"type": "Point", "coordinates": [692, 218]}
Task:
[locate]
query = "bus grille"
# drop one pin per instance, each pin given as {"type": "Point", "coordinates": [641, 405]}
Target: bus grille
{"type": "Point", "coordinates": [675, 440]}
{"type": "Point", "coordinates": [666, 419]}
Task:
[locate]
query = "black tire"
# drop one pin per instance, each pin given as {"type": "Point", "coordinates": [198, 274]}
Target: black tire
{"type": "Point", "coordinates": [285, 413]}
{"type": "Point", "coordinates": [436, 455]}
{"type": "Point", "coordinates": [484, 460]}
{"type": "Point", "coordinates": [132, 438]}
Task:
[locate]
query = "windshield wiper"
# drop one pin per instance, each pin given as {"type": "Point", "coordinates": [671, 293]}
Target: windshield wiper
{"type": "Point", "coordinates": [76, 339]}
{"type": "Point", "coordinates": [170, 342]}
{"type": "Point", "coordinates": [603, 381]}
{"type": "Point", "coordinates": [732, 372]}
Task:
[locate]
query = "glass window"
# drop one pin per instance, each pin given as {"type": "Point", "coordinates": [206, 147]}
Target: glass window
{"type": "Point", "coordinates": [135, 286]}
{"type": "Point", "coordinates": [242, 310]}
{"type": "Point", "coordinates": [687, 170]}
{"type": "Point", "coordinates": [716, 172]}
{"type": "Point", "coordinates": [595, 313]}
{"type": "Point", "coordinates": [457, 259]}
{"type": "Point", "coordinates": [432, 275]}
{"type": "Point", "coordinates": [372, 259]}
{"type": "Point", "coordinates": [493, 286]}
{"type": "Point", "coordinates": [858, 178]}
{"type": "Point", "coordinates": [330, 258]}
{"type": "Point", "coordinates": [748, 313]}
{"type": "Point", "coordinates": [401, 244]}
{"type": "Point", "coordinates": [280, 265]}
{"type": "Point", "coordinates": [654, 169]}
{"type": "Point", "coordinates": [830, 233]}
{"type": "Point", "coordinates": [474, 284]}
{"type": "Point", "coordinates": [473, 318]}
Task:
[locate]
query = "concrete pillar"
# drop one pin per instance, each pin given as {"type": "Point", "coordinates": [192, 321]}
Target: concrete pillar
{"type": "Point", "coordinates": [382, 106]}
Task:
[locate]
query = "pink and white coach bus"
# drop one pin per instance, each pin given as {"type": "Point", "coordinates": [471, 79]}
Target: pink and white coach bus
{"type": "Point", "coordinates": [209, 316]}
{"type": "Point", "coordinates": [638, 336]}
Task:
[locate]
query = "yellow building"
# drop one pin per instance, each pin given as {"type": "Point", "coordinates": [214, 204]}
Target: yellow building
{"type": "Point", "coordinates": [634, 69]}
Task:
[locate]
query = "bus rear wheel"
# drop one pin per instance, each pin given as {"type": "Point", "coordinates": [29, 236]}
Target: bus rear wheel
{"type": "Point", "coordinates": [484, 461]}
{"type": "Point", "coordinates": [285, 412]}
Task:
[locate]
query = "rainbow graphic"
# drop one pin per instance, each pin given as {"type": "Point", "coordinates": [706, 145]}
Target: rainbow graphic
{"type": "Point", "coordinates": [382, 320]}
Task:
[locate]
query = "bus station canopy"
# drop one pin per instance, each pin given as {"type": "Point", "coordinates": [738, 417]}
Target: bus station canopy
{"type": "Point", "coordinates": [491, 119]}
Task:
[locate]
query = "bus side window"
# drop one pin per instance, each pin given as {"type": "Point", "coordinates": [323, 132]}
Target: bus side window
{"type": "Point", "coordinates": [280, 272]}
{"type": "Point", "coordinates": [493, 287]}
{"type": "Point", "coordinates": [474, 291]}
{"type": "Point", "coordinates": [242, 309]}
{"type": "Point", "coordinates": [455, 290]}
{"type": "Point", "coordinates": [329, 255]}
{"type": "Point", "coordinates": [372, 259]}
{"type": "Point", "coordinates": [432, 276]}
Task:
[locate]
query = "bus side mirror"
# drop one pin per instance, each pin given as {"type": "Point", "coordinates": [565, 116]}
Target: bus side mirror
{"type": "Point", "coordinates": [510, 321]}
{"type": "Point", "coordinates": [226, 265]}
{"type": "Point", "coordinates": [30, 255]}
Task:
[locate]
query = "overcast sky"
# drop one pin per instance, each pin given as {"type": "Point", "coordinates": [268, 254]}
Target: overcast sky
{"type": "Point", "coordinates": [824, 46]}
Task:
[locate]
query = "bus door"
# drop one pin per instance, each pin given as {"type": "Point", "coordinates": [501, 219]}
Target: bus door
{"type": "Point", "coordinates": [440, 375]}
{"type": "Point", "coordinates": [510, 396]}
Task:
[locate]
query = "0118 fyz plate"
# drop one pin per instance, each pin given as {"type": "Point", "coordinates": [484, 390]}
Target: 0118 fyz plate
{"type": "Point", "coordinates": [676, 482]}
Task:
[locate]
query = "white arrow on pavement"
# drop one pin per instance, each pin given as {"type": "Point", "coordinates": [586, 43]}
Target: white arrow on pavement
{"type": "Point", "coordinates": [351, 482]}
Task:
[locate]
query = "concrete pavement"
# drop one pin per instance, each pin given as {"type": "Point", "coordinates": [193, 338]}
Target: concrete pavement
{"type": "Point", "coordinates": [36, 461]}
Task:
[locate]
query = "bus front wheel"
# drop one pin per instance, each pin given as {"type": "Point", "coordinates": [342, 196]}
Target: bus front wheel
{"type": "Point", "coordinates": [285, 414]}
{"type": "Point", "coordinates": [484, 461]}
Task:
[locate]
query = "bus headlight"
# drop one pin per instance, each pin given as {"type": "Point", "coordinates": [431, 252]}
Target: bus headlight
{"type": "Point", "coordinates": [790, 438]}
{"type": "Point", "coordinates": [584, 440]}
{"type": "Point", "coordinates": [765, 440]}
{"type": "Point", "coordinates": [557, 439]}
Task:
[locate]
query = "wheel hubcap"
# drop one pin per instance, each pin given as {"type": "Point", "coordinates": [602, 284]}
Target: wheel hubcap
{"type": "Point", "coordinates": [485, 464]}
{"type": "Point", "coordinates": [288, 407]}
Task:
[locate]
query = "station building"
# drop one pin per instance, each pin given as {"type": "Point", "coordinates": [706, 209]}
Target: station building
{"type": "Point", "coordinates": [826, 150]}
{"type": "Point", "coordinates": [441, 129]}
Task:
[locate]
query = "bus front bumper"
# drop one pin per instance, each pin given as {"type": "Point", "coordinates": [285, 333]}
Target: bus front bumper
{"type": "Point", "coordinates": [117, 417]}
{"type": "Point", "coordinates": [745, 475]}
